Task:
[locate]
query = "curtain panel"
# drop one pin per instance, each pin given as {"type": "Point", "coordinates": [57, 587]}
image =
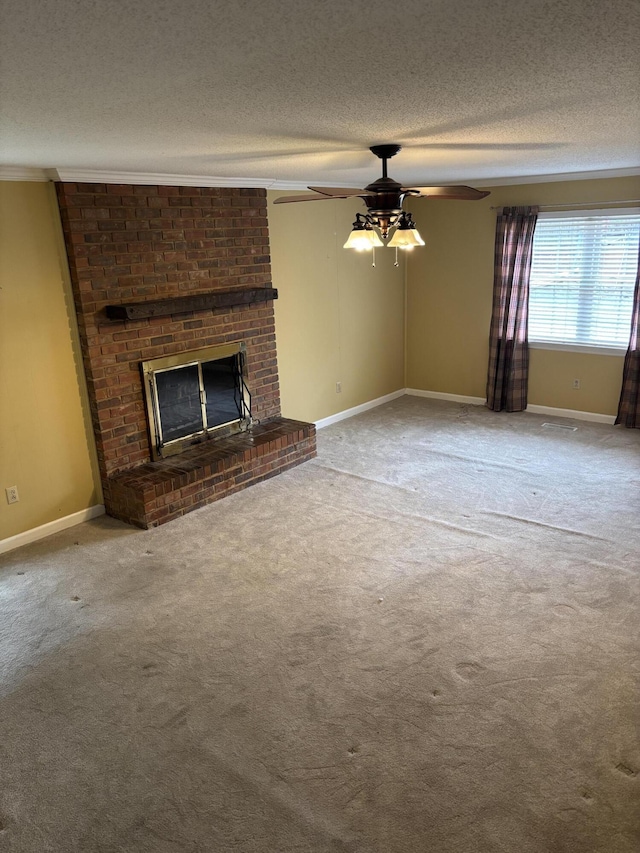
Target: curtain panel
{"type": "Point", "coordinates": [508, 372]}
{"type": "Point", "coordinates": [629, 406]}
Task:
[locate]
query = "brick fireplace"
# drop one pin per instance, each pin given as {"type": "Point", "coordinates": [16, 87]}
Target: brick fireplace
{"type": "Point", "coordinates": [158, 271]}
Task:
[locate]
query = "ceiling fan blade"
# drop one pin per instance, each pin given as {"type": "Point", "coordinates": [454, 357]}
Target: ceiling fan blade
{"type": "Point", "coordinates": [314, 197]}
{"type": "Point", "coordinates": [338, 192]}
{"type": "Point", "coordinates": [462, 193]}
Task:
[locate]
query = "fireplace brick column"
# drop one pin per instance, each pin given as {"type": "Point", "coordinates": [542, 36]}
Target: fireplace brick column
{"type": "Point", "coordinates": [138, 243]}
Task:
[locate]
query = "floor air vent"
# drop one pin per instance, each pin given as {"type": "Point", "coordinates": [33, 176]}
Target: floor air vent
{"type": "Point", "coordinates": [565, 427]}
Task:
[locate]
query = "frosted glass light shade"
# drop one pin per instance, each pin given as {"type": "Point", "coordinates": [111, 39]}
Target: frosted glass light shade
{"type": "Point", "coordinates": [362, 239]}
{"type": "Point", "coordinates": [406, 238]}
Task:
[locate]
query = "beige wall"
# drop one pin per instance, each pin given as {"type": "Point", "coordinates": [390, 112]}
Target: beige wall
{"type": "Point", "coordinates": [338, 319]}
{"type": "Point", "coordinates": [45, 448]}
{"type": "Point", "coordinates": [449, 294]}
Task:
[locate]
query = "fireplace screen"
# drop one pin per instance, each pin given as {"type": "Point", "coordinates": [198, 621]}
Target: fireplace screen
{"type": "Point", "coordinates": [192, 395]}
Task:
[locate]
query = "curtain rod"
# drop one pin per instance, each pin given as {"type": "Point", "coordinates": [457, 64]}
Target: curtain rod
{"type": "Point", "coordinates": [595, 204]}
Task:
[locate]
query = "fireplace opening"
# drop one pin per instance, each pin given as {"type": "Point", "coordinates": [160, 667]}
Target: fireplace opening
{"type": "Point", "coordinates": [195, 395]}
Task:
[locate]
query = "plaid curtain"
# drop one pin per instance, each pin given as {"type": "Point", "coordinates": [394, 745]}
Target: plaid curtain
{"type": "Point", "coordinates": [629, 406]}
{"type": "Point", "coordinates": [508, 373]}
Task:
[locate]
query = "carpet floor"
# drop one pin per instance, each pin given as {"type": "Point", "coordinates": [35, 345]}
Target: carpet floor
{"type": "Point", "coordinates": [424, 640]}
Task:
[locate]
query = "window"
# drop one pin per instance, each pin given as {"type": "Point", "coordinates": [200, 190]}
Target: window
{"type": "Point", "coordinates": [583, 273]}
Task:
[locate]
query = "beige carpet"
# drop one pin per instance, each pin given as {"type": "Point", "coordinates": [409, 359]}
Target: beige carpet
{"type": "Point", "coordinates": [424, 640]}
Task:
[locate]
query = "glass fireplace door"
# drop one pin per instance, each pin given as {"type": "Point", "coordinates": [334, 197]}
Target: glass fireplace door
{"type": "Point", "coordinates": [179, 402]}
{"type": "Point", "coordinates": [220, 383]}
{"type": "Point", "coordinates": [192, 395]}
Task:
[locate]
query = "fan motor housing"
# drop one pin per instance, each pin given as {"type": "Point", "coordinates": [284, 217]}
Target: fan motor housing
{"type": "Point", "coordinates": [380, 207]}
{"type": "Point", "coordinates": [385, 194]}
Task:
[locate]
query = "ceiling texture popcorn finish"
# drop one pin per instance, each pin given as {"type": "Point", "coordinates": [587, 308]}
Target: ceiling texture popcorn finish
{"type": "Point", "coordinates": [274, 93]}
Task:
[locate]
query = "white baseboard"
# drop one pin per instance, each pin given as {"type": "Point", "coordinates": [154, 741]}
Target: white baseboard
{"type": "Point", "coordinates": [440, 395]}
{"type": "Point", "coordinates": [45, 530]}
{"type": "Point", "coordinates": [594, 417]}
{"type": "Point", "coordinates": [577, 415]}
{"type": "Point", "coordinates": [356, 410]}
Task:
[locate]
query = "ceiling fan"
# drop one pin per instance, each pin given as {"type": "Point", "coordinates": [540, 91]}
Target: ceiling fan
{"type": "Point", "coordinates": [384, 199]}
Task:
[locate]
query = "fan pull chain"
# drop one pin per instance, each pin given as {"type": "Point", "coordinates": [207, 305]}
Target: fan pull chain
{"type": "Point", "coordinates": [395, 263]}
{"type": "Point", "coordinates": [373, 256]}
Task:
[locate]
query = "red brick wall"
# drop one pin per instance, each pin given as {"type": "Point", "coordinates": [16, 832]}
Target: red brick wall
{"type": "Point", "coordinates": [137, 243]}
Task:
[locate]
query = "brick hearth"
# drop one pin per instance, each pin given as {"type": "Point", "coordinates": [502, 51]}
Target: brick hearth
{"type": "Point", "coordinates": [161, 491]}
{"type": "Point", "coordinates": [131, 244]}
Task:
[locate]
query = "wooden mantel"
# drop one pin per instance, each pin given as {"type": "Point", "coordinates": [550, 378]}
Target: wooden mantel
{"type": "Point", "coordinates": [186, 304]}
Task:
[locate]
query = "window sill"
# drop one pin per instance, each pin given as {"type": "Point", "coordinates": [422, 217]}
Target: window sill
{"type": "Point", "coordinates": [619, 351]}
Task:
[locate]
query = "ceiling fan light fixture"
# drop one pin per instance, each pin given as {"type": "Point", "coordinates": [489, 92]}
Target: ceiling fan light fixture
{"type": "Point", "coordinates": [362, 237]}
{"type": "Point", "coordinates": [383, 199]}
{"type": "Point", "coordinates": [406, 235]}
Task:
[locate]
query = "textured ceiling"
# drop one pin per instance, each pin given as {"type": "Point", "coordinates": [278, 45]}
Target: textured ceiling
{"type": "Point", "coordinates": [296, 90]}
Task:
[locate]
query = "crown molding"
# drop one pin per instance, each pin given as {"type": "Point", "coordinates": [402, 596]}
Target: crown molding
{"type": "Point", "coordinates": [98, 176]}
{"type": "Point", "coordinates": [23, 173]}
{"type": "Point", "coordinates": [556, 178]}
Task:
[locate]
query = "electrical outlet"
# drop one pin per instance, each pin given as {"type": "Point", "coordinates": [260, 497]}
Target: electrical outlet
{"type": "Point", "coordinates": [12, 495]}
{"type": "Point", "coordinates": [576, 385]}
{"type": "Point", "coordinates": [338, 387]}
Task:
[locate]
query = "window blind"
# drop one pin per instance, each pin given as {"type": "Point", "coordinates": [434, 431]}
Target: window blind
{"type": "Point", "coordinates": [583, 273]}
